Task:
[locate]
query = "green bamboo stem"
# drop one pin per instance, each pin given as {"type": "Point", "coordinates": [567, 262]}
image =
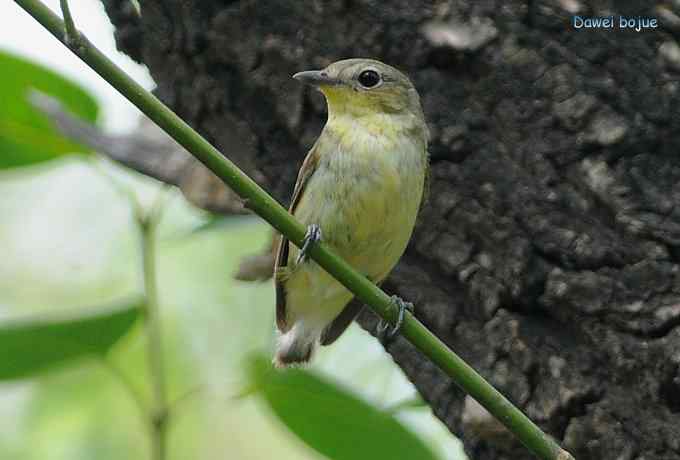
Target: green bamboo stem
{"type": "Point", "coordinates": [542, 445]}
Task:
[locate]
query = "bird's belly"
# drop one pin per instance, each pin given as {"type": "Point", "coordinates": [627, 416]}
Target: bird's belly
{"type": "Point", "coordinates": [368, 232]}
{"type": "Point", "coordinates": [378, 233]}
{"type": "Point", "coordinates": [367, 220]}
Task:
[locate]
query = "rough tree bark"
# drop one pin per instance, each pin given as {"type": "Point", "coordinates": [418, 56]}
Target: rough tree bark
{"type": "Point", "coordinates": [548, 255]}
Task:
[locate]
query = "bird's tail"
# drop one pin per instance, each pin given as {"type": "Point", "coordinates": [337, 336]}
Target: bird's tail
{"type": "Point", "coordinates": [296, 346]}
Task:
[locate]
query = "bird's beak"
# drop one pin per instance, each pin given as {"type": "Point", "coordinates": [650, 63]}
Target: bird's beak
{"type": "Point", "coordinates": [316, 78]}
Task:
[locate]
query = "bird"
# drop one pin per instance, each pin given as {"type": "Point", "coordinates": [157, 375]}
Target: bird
{"type": "Point", "coordinates": [359, 190]}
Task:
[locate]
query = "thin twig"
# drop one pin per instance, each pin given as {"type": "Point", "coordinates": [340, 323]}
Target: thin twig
{"type": "Point", "coordinates": [160, 413]}
{"type": "Point", "coordinates": [147, 222]}
{"type": "Point", "coordinates": [71, 34]}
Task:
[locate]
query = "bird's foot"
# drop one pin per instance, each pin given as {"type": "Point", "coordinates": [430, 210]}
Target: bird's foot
{"type": "Point", "coordinates": [312, 236]}
{"type": "Point", "coordinates": [384, 333]}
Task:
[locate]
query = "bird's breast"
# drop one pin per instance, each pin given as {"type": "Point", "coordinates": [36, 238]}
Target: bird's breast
{"type": "Point", "coordinates": [365, 194]}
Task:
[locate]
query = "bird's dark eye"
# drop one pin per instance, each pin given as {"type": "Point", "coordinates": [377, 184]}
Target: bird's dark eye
{"type": "Point", "coordinates": [369, 78]}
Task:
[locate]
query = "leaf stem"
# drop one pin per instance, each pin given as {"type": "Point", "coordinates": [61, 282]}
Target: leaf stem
{"type": "Point", "coordinates": [538, 442]}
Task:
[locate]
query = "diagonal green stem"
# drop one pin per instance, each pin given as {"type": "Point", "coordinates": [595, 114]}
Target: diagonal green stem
{"type": "Point", "coordinates": [542, 445]}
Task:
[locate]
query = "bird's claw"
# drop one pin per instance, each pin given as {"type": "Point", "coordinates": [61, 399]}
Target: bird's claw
{"type": "Point", "coordinates": [312, 236]}
{"type": "Point", "coordinates": [384, 334]}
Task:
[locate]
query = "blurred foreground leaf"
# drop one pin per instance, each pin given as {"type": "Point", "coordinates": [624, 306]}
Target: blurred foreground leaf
{"type": "Point", "coordinates": [26, 135]}
{"type": "Point", "coordinates": [32, 344]}
{"type": "Point", "coordinates": [331, 420]}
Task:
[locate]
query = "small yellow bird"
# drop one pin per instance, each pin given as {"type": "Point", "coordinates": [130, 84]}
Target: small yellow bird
{"type": "Point", "coordinates": [360, 187]}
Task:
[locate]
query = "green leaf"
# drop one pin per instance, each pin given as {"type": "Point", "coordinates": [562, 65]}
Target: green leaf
{"type": "Point", "coordinates": [26, 135]}
{"type": "Point", "coordinates": [331, 420]}
{"type": "Point", "coordinates": [33, 344]}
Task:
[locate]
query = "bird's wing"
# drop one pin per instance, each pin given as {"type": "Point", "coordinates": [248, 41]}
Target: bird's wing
{"type": "Point", "coordinates": [306, 172]}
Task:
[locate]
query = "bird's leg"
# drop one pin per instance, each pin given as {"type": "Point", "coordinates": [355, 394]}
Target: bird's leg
{"type": "Point", "coordinates": [312, 236]}
{"type": "Point", "coordinates": [384, 334]}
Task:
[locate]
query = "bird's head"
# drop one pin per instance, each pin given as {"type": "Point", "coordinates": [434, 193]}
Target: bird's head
{"type": "Point", "coordinates": [361, 87]}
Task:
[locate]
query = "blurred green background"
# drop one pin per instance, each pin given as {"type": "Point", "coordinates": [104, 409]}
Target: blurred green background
{"type": "Point", "coordinates": [68, 241]}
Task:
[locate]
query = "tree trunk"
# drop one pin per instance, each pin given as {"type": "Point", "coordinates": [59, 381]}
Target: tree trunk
{"type": "Point", "coordinates": [547, 255]}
